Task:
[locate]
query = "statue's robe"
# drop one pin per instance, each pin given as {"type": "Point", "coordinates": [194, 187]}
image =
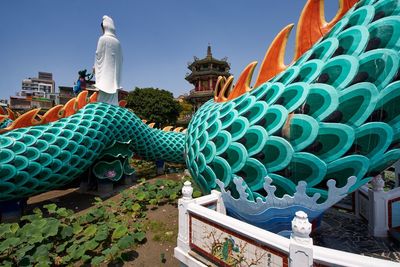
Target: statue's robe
{"type": "Point", "coordinates": [108, 64]}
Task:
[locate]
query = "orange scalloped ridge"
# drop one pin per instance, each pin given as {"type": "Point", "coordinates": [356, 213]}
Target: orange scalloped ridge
{"type": "Point", "coordinates": [55, 113]}
{"type": "Point", "coordinates": [243, 84]}
{"type": "Point", "coordinates": [93, 97]}
{"type": "Point", "coordinates": [3, 118]}
{"type": "Point", "coordinates": [52, 114]}
{"type": "Point", "coordinates": [81, 100]}
{"type": "Point", "coordinates": [275, 53]}
{"type": "Point", "coordinates": [25, 120]}
{"type": "Point", "coordinates": [225, 91]}
{"type": "Point", "coordinates": [311, 27]}
{"type": "Point", "coordinates": [11, 114]}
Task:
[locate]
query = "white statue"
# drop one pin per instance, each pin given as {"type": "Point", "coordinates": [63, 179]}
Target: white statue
{"type": "Point", "coordinates": [108, 63]}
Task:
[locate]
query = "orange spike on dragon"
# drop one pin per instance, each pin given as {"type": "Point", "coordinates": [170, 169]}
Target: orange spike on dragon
{"type": "Point", "coordinates": [310, 28]}
{"type": "Point", "coordinates": [31, 117]}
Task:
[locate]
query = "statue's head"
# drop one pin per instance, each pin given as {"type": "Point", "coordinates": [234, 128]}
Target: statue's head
{"type": "Point", "coordinates": [108, 25]}
{"type": "Point", "coordinates": [82, 73]}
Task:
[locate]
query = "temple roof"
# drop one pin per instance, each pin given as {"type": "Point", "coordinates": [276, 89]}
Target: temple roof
{"type": "Point", "coordinates": [208, 59]}
{"type": "Point", "coordinates": [207, 67]}
{"type": "Point", "coordinates": [196, 74]}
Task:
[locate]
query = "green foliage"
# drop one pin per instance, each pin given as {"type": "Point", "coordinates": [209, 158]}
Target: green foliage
{"type": "Point", "coordinates": [154, 105]}
{"type": "Point", "coordinates": [162, 232]}
{"type": "Point", "coordinates": [56, 236]}
{"type": "Point", "coordinates": [144, 168]}
{"type": "Point", "coordinates": [186, 112]}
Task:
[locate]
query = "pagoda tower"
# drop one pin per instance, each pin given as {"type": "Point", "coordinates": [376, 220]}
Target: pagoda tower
{"type": "Point", "coordinates": [203, 76]}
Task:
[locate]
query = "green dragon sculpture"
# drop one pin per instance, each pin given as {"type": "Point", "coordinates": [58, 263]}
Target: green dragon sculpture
{"type": "Point", "coordinates": [331, 114]}
{"type": "Point", "coordinates": [41, 158]}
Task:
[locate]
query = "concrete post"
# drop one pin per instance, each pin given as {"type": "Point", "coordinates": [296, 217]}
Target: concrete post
{"type": "Point", "coordinates": [301, 245]}
{"type": "Point", "coordinates": [377, 224]}
{"type": "Point", "coordinates": [183, 217]}
{"type": "Point", "coordinates": [220, 202]}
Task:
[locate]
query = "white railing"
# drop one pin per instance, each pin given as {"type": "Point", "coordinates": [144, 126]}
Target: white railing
{"type": "Point", "coordinates": [208, 237]}
{"type": "Point", "coordinates": [378, 207]}
{"type": "Point", "coordinates": [361, 204]}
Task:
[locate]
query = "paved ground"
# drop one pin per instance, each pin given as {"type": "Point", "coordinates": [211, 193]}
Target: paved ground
{"type": "Point", "coordinates": [344, 231]}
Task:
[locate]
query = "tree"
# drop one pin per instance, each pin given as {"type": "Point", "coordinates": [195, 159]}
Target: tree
{"type": "Point", "coordinates": [186, 113]}
{"type": "Point", "coordinates": [154, 105]}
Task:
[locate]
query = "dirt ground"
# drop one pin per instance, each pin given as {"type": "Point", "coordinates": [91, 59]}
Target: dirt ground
{"type": "Point", "coordinates": [159, 253]}
{"type": "Point", "coordinates": [161, 222]}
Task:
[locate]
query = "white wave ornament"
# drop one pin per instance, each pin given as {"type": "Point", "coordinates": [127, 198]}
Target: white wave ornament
{"type": "Point", "coordinates": [274, 213]}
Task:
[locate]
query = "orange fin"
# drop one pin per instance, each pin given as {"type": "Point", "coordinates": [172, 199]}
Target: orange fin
{"type": "Point", "coordinates": [243, 84]}
{"type": "Point", "coordinates": [312, 24]}
{"type": "Point", "coordinates": [167, 128]}
{"type": "Point", "coordinates": [224, 92]}
{"type": "Point", "coordinates": [52, 114]}
{"type": "Point", "coordinates": [177, 130]}
{"type": "Point", "coordinates": [93, 97]}
{"type": "Point", "coordinates": [25, 120]}
{"type": "Point", "coordinates": [218, 87]}
{"type": "Point", "coordinates": [11, 114]}
{"type": "Point", "coordinates": [81, 99]}
{"type": "Point", "coordinates": [273, 62]}
{"type": "Point", "coordinates": [3, 118]}
{"type": "Point", "coordinates": [70, 108]}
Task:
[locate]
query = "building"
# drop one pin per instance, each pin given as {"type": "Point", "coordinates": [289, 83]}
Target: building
{"type": "Point", "coordinates": [3, 103]}
{"type": "Point", "coordinates": [203, 76]}
{"type": "Point", "coordinates": [20, 104]}
{"type": "Point", "coordinates": [42, 86]}
{"type": "Point", "coordinates": [40, 93]}
{"type": "Point", "coordinates": [65, 93]}
{"type": "Point", "coordinates": [41, 102]}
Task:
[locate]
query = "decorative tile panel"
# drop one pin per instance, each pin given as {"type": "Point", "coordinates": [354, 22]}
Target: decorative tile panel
{"type": "Point", "coordinates": [224, 247]}
{"type": "Point", "coordinates": [394, 212]}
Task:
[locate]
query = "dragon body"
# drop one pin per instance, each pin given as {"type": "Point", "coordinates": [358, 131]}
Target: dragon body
{"type": "Point", "coordinates": [330, 115]}
{"type": "Point", "coordinates": [41, 158]}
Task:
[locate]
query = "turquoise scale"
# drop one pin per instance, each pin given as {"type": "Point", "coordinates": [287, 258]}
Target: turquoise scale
{"type": "Point", "coordinates": [41, 158]}
{"type": "Point", "coordinates": [332, 114]}
{"type": "Point", "coordinates": [5, 123]}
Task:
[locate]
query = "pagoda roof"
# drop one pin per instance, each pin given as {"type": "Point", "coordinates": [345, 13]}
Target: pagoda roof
{"type": "Point", "coordinates": [203, 73]}
{"type": "Point", "coordinates": [200, 94]}
{"type": "Point", "coordinates": [208, 59]}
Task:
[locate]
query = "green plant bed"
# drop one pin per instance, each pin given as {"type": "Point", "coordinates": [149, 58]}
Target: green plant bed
{"type": "Point", "coordinates": [143, 168]}
{"type": "Point", "coordinates": [107, 232]}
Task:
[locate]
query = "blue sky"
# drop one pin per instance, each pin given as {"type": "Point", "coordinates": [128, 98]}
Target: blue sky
{"type": "Point", "coordinates": [158, 37]}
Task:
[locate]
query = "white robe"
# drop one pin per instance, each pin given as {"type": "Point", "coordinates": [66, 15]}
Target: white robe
{"type": "Point", "coordinates": [108, 64]}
